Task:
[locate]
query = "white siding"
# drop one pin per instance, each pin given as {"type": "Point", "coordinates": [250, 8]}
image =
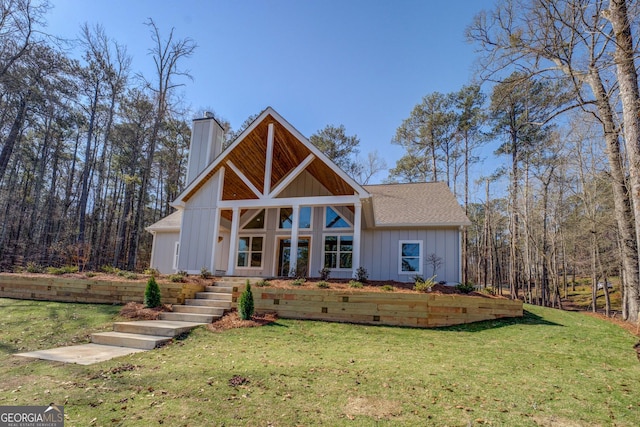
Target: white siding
{"type": "Point", "coordinates": [163, 251]}
{"type": "Point", "coordinates": [196, 241]}
{"type": "Point", "coordinates": [380, 253]}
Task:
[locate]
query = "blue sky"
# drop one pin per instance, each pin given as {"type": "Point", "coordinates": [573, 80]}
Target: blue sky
{"type": "Point", "coordinates": [363, 64]}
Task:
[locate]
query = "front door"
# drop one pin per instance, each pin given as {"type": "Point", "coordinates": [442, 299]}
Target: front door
{"type": "Point", "coordinates": [284, 256]}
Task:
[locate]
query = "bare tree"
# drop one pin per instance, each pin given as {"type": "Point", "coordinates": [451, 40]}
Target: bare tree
{"type": "Point", "coordinates": [568, 39]}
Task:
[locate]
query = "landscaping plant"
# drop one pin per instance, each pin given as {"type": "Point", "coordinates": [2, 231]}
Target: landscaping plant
{"type": "Point", "coordinates": [152, 294]}
{"type": "Point", "coordinates": [245, 305]}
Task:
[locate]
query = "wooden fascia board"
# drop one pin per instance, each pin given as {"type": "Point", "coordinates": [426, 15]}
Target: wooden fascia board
{"type": "Point", "coordinates": [290, 201]}
{"type": "Point", "coordinates": [319, 154]}
{"type": "Point", "coordinates": [179, 202]}
{"type": "Point", "coordinates": [244, 179]}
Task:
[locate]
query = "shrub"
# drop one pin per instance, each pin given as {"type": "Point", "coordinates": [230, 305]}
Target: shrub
{"type": "Point", "coordinates": [422, 285]}
{"type": "Point", "coordinates": [465, 288]}
{"type": "Point", "coordinates": [355, 284]}
{"type": "Point", "coordinates": [127, 274]}
{"type": "Point", "coordinates": [245, 305]}
{"type": "Point", "coordinates": [152, 272]}
{"type": "Point", "coordinates": [152, 294]}
{"type": "Point", "coordinates": [263, 283]}
{"type": "Point", "coordinates": [324, 273]}
{"type": "Point", "coordinates": [62, 270]}
{"type": "Point", "coordinates": [298, 282]}
{"type": "Point", "coordinates": [362, 274]}
{"type": "Point", "coordinates": [176, 278]}
{"type": "Point", "coordinates": [109, 269]}
{"type": "Point", "coordinates": [387, 288]}
{"type": "Point", "coordinates": [32, 267]}
{"type": "Point", "coordinates": [323, 285]}
{"type": "Point", "coordinates": [205, 273]}
{"type": "Point", "coordinates": [89, 274]}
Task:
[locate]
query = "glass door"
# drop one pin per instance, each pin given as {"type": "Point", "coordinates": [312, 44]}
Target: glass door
{"type": "Point", "coordinates": [284, 257]}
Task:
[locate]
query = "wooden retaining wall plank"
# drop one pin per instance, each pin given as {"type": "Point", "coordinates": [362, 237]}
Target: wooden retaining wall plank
{"type": "Point", "coordinates": [67, 289]}
{"type": "Point", "coordinates": [401, 309]}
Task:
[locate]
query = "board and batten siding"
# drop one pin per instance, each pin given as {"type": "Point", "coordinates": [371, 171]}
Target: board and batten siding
{"type": "Point", "coordinates": [380, 253]}
{"type": "Point", "coordinates": [196, 238]}
{"type": "Point", "coordinates": [164, 244]}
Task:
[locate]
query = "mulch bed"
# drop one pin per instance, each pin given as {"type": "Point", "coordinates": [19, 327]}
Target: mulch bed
{"type": "Point", "coordinates": [231, 320]}
{"type": "Point", "coordinates": [137, 311]}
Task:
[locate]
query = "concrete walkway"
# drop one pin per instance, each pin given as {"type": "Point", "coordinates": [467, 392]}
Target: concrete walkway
{"type": "Point", "coordinates": [85, 354]}
{"type": "Point", "coordinates": [134, 337]}
{"type": "Point", "coordinates": [126, 338]}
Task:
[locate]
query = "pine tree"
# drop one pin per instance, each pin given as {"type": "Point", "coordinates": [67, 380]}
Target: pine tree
{"type": "Point", "coordinates": [245, 306]}
{"type": "Point", "coordinates": [152, 294]}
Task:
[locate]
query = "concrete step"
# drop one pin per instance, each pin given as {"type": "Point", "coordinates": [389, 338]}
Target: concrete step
{"type": "Point", "coordinates": [234, 281]}
{"type": "Point", "coordinates": [163, 328]}
{"type": "Point", "coordinates": [198, 309]}
{"type": "Point", "coordinates": [124, 339]}
{"type": "Point", "coordinates": [214, 296]}
{"type": "Point", "coordinates": [189, 317]}
{"type": "Point", "coordinates": [203, 302]}
{"type": "Point", "coordinates": [220, 289]}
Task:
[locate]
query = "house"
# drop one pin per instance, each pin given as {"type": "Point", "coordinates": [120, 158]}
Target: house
{"type": "Point", "coordinates": [271, 193]}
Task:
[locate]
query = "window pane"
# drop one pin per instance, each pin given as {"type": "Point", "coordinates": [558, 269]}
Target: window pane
{"type": "Point", "coordinates": [346, 243]}
{"type": "Point", "coordinates": [257, 223]}
{"type": "Point", "coordinates": [242, 259]}
{"type": "Point", "coordinates": [256, 244]}
{"type": "Point", "coordinates": [256, 259]}
{"type": "Point", "coordinates": [286, 220]}
{"type": "Point", "coordinates": [331, 243]}
{"type": "Point", "coordinates": [410, 264]}
{"type": "Point", "coordinates": [305, 217]}
{"type": "Point", "coordinates": [411, 249]}
{"type": "Point", "coordinates": [330, 260]}
{"type": "Point", "coordinates": [243, 244]}
{"type": "Point", "coordinates": [334, 220]}
{"type": "Point", "coordinates": [345, 260]}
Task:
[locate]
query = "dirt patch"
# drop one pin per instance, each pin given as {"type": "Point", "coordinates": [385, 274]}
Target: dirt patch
{"type": "Point", "coordinates": [137, 311]}
{"type": "Point", "coordinates": [372, 407]}
{"type": "Point", "coordinates": [231, 320]}
{"type": "Point", "coordinates": [371, 286]}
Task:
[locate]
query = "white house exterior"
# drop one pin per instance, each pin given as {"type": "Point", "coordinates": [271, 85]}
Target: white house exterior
{"type": "Point", "coordinates": [271, 193]}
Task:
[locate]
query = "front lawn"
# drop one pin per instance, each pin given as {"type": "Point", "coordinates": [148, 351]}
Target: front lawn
{"type": "Point", "coordinates": [550, 368]}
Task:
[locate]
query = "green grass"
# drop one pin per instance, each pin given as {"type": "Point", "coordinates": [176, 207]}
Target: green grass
{"type": "Point", "coordinates": [550, 368]}
{"type": "Point", "coordinates": [581, 297]}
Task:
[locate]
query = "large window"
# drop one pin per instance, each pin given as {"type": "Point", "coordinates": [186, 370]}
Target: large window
{"type": "Point", "coordinates": [410, 257]}
{"type": "Point", "coordinates": [332, 219]}
{"type": "Point", "coordinates": [286, 218]}
{"type": "Point", "coordinates": [256, 223]}
{"type": "Point", "coordinates": [250, 251]}
{"type": "Point", "coordinates": [338, 251]}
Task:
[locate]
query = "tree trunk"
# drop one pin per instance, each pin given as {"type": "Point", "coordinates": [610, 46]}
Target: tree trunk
{"type": "Point", "coordinates": [622, 204]}
{"type": "Point", "coordinates": [84, 192]}
{"type": "Point", "coordinates": [14, 133]}
{"type": "Point", "coordinates": [630, 97]}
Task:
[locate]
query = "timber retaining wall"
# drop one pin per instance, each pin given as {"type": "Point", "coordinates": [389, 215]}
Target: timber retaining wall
{"type": "Point", "coordinates": [65, 289]}
{"type": "Point", "coordinates": [380, 308]}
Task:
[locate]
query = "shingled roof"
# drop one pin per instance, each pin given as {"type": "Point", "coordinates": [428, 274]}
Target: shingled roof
{"type": "Point", "coordinates": [170, 222]}
{"type": "Point", "coordinates": [416, 204]}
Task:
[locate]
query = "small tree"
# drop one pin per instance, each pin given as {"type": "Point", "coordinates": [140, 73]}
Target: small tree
{"type": "Point", "coordinates": [435, 262]}
{"type": "Point", "coordinates": [152, 294]}
{"type": "Point", "coordinates": [245, 305]}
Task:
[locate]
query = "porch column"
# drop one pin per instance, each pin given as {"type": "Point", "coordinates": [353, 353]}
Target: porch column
{"type": "Point", "coordinates": [357, 228]}
{"type": "Point", "coordinates": [233, 243]}
{"type": "Point", "coordinates": [216, 232]}
{"type": "Point", "coordinates": [293, 254]}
